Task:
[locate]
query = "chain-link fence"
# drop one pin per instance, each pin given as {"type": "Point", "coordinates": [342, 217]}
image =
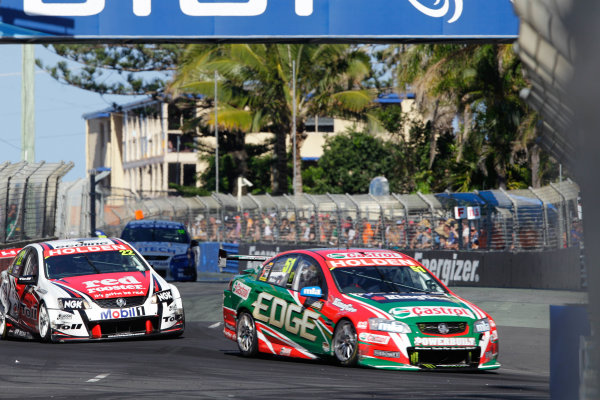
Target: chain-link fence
{"type": "Point", "coordinates": [28, 200]}
{"type": "Point", "coordinates": [527, 219]}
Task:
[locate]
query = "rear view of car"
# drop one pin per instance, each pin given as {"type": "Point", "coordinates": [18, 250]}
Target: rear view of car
{"type": "Point", "coordinates": [166, 245]}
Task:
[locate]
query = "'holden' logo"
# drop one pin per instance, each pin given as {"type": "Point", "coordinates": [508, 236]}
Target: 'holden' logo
{"type": "Point", "coordinates": [439, 12]}
{"type": "Point", "coordinates": [443, 328]}
{"type": "Point", "coordinates": [121, 302]}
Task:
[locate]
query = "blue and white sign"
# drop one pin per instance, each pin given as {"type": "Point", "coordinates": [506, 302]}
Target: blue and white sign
{"type": "Point", "coordinates": [258, 19]}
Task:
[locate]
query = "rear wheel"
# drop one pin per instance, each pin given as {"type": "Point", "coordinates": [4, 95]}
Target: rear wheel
{"type": "Point", "coordinates": [44, 324]}
{"type": "Point", "coordinates": [345, 345]}
{"type": "Point", "coordinates": [246, 335]}
{"type": "Point", "coordinates": [3, 326]}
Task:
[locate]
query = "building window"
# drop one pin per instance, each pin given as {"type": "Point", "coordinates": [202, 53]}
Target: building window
{"type": "Point", "coordinates": [186, 143]}
{"type": "Point", "coordinates": [320, 124]}
{"type": "Point", "coordinates": [189, 174]}
{"type": "Point", "coordinates": [174, 173]}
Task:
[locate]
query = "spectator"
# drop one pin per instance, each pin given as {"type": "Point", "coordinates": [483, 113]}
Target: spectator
{"type": "Point", "coordinates": [348, 231]}
{"type": "Point", "coordinates": [11, 220]}
{"type": "Point", "coordinates": [422, 240]}
{"type": "Point", "coordinates": [367, 232]}
{"type": "Point", "coordinates": [284, 230]}
{"type": "Point", "coordinates": [452, 242]}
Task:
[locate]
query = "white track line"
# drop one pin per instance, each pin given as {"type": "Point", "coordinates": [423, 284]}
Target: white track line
{"type": "Point", "coordinates": [98, 378]}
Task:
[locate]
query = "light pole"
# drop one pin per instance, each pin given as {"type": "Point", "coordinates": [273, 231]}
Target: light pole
{"type": "Point", "coordinates": [96, 175]}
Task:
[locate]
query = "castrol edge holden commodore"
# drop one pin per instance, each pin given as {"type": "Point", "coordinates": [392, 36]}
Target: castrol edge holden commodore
{"type": "Point", "coordinates": [86, 289]}
{"type": "Point", "coordinates": [375, 308]}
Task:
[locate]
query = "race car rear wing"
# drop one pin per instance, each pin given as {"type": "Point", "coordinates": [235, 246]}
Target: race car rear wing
{"type": "Point", "coordinates": [223, 257]}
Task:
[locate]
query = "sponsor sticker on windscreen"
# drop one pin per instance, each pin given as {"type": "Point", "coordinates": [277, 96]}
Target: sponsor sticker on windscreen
{"type": "Point", "coordinates": [86, 249]}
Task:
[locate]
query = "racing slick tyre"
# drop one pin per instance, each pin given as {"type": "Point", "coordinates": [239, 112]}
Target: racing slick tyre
{"type": "Point", "coordinates": [44, 328]}
{"type": "Point", "coordinates": [345, 344]}
{"type": "Point", "coordinates": [247, 339]}
{"type": "Point", "coordinates": [3, 326]}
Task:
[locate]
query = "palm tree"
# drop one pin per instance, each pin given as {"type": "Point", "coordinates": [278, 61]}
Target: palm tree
{"type": "Point", "coordinates": [477, 87]}
{"type": "Point", "coordinates": [255, 88]}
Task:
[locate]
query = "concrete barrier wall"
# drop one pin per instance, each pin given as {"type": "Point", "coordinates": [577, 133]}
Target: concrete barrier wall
{"type": "Point", "coordinates": [554, 269]}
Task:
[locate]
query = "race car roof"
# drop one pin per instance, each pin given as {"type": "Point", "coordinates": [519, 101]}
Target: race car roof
{"type": "Point", "coordinates": [64, 243]}
{"type": "Point", "coordinates": [155, 223]}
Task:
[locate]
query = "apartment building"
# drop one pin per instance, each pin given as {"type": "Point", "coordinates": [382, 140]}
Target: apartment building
{"type": "Point", "coordinates": [146, 148]}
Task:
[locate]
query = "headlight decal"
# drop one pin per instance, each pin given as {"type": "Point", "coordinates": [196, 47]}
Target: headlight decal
{"type": "Point", "coordinates": [481, 325]}
{"type": "Point", "coordinates": [387, 325]}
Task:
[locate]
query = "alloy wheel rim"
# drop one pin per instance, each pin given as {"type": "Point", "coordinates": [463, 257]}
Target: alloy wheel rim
{"type": "Point", "coordinates": [345, 343]}
{"type": "Point", "coordinates": [245, 334]}
{"type": "Point", "coordinates": [2, 323]}
{"type": "Point", "coordinates": [44, 320]}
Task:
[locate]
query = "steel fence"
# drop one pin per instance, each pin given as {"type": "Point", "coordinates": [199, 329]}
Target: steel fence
{"type": "Point", "coordinates": [28, 200]}
{"type": "Point", "coordinates": [516, 220]}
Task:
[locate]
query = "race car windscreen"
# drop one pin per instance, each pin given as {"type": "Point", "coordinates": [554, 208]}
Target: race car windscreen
{"type": "Point", "coordinates": [155, 234]}
{"type": "Point", "coordinates": [102, 262]}
{"type": "Point", "coordinates": [385, 279]}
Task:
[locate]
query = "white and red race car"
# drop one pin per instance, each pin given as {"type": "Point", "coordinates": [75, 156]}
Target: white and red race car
{"type": "Point", "coordinates": [85, 289]}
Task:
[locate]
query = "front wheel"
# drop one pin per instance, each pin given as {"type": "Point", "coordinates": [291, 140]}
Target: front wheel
{"type": "Point", "coordinates": [246, 335]}
{"type": "Point", "coordinates": [345, 345]}
{"type": "Point", "coordinates": [44, 324]}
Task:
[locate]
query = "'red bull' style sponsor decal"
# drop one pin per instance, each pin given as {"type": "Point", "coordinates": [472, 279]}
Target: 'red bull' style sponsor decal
{"type": "Point", "coordinates": [85, 249]}
{"type": "Point", "coordinates": [424, 311]}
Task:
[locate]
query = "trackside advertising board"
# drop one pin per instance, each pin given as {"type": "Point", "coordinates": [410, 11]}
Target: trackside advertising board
{"type": "Point", "coordinates": [53, 20]}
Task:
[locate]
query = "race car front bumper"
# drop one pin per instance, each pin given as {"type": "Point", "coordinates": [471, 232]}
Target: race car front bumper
{"type": "Point", "coordinates": [103, 324]}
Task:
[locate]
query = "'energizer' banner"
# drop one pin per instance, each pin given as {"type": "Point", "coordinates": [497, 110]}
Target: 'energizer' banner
{"type": "Point", "coordinates": [555, 269]}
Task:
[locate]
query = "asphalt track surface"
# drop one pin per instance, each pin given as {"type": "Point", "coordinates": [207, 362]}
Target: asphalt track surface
{"type": "Point", "coordinates": [204, 364]}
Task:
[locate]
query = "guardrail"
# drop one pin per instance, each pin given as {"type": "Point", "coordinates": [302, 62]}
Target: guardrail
{"type": "Point", "coordinates": [28, 200]}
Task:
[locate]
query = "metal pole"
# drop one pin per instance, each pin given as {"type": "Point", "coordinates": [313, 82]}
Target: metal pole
{"type": "Point", "coordinates": [216, 138]}
{"type": "Point", "coordinates": [93, 203]}
{"type": "Point", "coordinates": [28, 105]}
{"type": "Point", "coordinates": [294, 123]}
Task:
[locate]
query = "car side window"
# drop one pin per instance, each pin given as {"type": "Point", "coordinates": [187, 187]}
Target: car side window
{"type": "Point", "coordinates": [18, 264]}
{"type": "Point", "coordinates": [308, 273]}
{"type": "Point", "coordinates": [31, 263]}
{"type": "Point", "coordinates": [282, 271]}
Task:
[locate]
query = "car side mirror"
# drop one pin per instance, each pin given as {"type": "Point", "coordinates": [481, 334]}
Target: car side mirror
{"type": "Point", "coordinates": [312, 291]}
{"type": "Point", "coordinates": [27, 280]}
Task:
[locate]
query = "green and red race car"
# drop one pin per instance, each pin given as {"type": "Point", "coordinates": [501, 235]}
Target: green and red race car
{"type": "Point", "coordinates": [375, 308]}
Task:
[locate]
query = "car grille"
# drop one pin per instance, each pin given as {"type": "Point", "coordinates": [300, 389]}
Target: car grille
{"type": "Point", "coordinates": [123, 326]}
{"type": "Point", "coordinates": [432, 328]}
{"type": "Point", "coordinates": [158, 258]}
{"type": "Point", "coordinates": [440, 358]}
{"type": "Point", "coordinates": [129, 302]}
